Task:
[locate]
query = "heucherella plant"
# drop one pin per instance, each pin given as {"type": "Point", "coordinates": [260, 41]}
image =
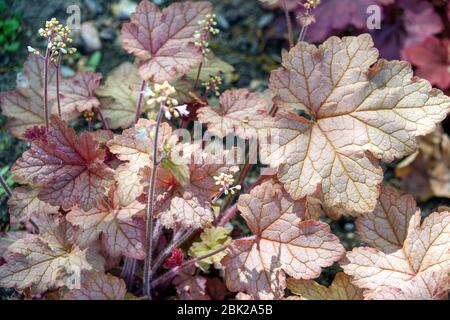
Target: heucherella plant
{"type": "Point", "coordinates": [147, 210]}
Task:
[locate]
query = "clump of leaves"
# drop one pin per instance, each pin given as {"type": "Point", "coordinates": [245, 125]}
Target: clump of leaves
{"type": "Point", "coordinates": [131, 213]}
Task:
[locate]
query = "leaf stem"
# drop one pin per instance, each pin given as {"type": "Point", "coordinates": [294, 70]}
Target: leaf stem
{"type": "Point", "coordinates": [46, 112]}
{"type": "Point", "coordinates": [288, 24]}
{"type": "Point", "coordinates": [102, 118]}
{"type": "Point", "coordinates": [228, 215]}
{"type": "Point", "coordinates": [58, 69]}
{"type": "Point", "coordinates": [197, 79]}
{"type": "Point", "coordinates": [150, 207]}
{"type": "Point", "coordinates": [5, 186]}
{"type": "Point", "coordinates": [302, 35]}
{"type": "Point", "coordinates": [139, 102]}
{"type": "Point", "coordinates": [128, 269]}
{"type": "Point", "coordinates": [173, 272]}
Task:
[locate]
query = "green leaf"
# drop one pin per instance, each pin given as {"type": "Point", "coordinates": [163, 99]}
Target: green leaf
{"type": "Point", "coordinates": [211, 239]}
{"type": "Point", "coordinates": [179, 171]}
{"type": "Point", "coordinates": [10, 27]}
{"type": "Point", "coordinates": [12, 47]}
{"type": "Point", "coordinates": [94, 60]}
{"type": "Point", "coordinates": [213, 67]}
{"type": "Point", "coordinates": [2, 6]}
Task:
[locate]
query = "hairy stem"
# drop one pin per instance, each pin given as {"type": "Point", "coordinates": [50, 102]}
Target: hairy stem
{"type": "Point", "coordinates": [173, 272]}
{"type": "Point", "coordinates": [139, 102]}
{"type": "Point", "coordinates": [150, 207]}
{"type": "Point", "coordinates": [46, 112]}
{"type": "Point", "coordinates": [128, 270]}
{"type": "Point", "coordinates": [288, 24]}
{"type": "Point", "coordinates": [102, 118]}
{"type": "Point", "coordinates": [58, 69]}
{"type": "Point", "coordinates": [302, 35]}
{"type": "Point", "coordinates": [5, 186]}
{"type": "Point", "coordinates": [197, 79]}
{"type": "Point", "coordinates": [228, 215]}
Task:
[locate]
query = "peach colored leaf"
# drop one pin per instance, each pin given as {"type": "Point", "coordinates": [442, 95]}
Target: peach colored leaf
{"type": "Point", "coordinates": [426, 249]}
{"type": "Point", "coordinates": [24, 204]}
{"type": "Point", "coordinates": [282, 244]}
{"type": "Point", "coordinates": [190, 287]}
{"type": "Point", "coordinates": [25, 105]}
{"type": "Point", "coordinates": [77, 93]}
{"type": "Point", "coordinates": [241, 112]}
{"type": "Point", "coordinates": [163, 40]}
{"type": "Point", "coordinates": [67, 169]}
{"type": "Point", "coordinates": [48, 260]}
{"type": "Point", "coordinates": [128, 183]}
{"type": "Point", "coordinates": [354, 112]}
{"type": "Point", "coordinates": [98, 286]}
{"type": "Point", "coordinates": [340, 289]}
{"type": "Point", "coordinates": [8, 238]}
{"type": "Point", "coordinates": [425, 286]}
{"type": "Point", "coordinates": [120, 94]}
{"type": "Point", "coordinates": [122, 228]}
{"type": "Point", "coordinates": [386, 227]}
{"type": "Point", "coordinates": [135, 145]}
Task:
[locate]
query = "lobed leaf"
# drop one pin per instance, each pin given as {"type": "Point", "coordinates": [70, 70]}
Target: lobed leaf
{"type": "Point", "coordinates": [386, 227]}
{"type": "Point", "coordinates": [211, 239]}
{"type": "Point", "coordinates": [354, 112]}
{"type": "Point", "coordinates": [425, 250]}
{"type": "Point", "coordinates": [121, 226]}
{"type": "Point", "coordinates": [241, 112]}
{"type": "Point", "coordinates": [77, 93]}
{"type": "Point", "coordinates": [98, 286]}
{"type": "Point", "coordinates": [25, 204]}
{"type": "Point", "coordinates": [67, 169]}
{"type": "Point", "coordinates": [119, 96]}
{"type": "Point", "coordinates": [163, 40]}
{"type": "Point", "coordinates": [49, 260]}
{"type": "Point", "coordinates": [282, 244]}
{"type": "Point", "coordinates": [25, 106]}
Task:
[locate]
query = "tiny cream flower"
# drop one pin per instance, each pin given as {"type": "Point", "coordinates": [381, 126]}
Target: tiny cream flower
{"type": "Point", "coordinates": [226, 181]}
{"type": "Point", "coordinates": [58, 36]}
{"type": "Point", "coordinates": [182, 110]}
{"type": "Point", "coordinates": [161, 94]}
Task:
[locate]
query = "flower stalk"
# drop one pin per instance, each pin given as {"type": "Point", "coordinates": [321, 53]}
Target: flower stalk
{"type": "Point", "coordinates": [139, 102]}
{"type": "Point", "coordinates": [58, 70]}
{"type": "Point", "coordinates": [46, 111]}
{"type": "Point", "coordinates": [288, 24]}
{"type": "Point", "coordinates": [5, 186]}
{"type": "Point", "coordinates": [150, 210]}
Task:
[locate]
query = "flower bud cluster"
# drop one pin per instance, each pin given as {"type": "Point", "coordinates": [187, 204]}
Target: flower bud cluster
{"type": "Point", "coordinates": [58, 39]}
{"type": "Point", "coordinates": [226, 182]}
{"type": "Point", "coordinates": [311, 4]}
{"type": "Point", "coordinates": [214, 84]}
{"type": "Point", "coordinates": [207, 28]}
{"type": "Point", "coordinates": [162, 95]}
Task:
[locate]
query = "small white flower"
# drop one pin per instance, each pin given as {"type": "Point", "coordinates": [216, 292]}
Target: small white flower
{"type": "Point", "coordinates": [182, 110]}
{"type": "Point", "coordinates": [167, 113]}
